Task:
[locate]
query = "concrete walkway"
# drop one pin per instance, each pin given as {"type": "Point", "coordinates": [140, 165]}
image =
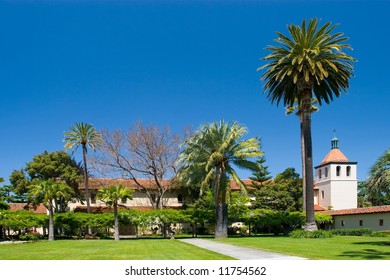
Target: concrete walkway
{"type": "Point", "coordinates": [237, 252]}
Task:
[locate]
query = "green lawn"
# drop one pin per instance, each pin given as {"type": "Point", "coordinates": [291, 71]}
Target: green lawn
{"type": "Point", "coordinates": [151, 249]}
{"type": "Point", "coordinates": [335, 248]}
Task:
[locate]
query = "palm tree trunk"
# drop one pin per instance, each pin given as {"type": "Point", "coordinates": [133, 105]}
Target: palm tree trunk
{"type": "Point", "coordinates": [308, 161]}
{"type": "Point", "coordinates": [116, 222]}
{"type": "Point", "coordinates": [303, 165]}
{"type": "Point", "coordinates": [51, 224]}
{"type": "Point", "coordinates": [221, 223]}
{"type": "Point", "coordinates": [221, 207]}
{"type": "Point", "coordinates": [86, 190]}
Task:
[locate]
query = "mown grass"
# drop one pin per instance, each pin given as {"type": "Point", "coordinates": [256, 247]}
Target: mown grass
{"type": "Point", "coordinates": [152, 249]}
{"type": "Point", "coordinates": [335, 248]}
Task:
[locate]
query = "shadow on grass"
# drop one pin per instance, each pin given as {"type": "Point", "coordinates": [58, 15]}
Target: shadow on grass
{"type": "Point", "coordinates": [369, 254]}
{"type": "Point", "coordinates": [378, 243]}
{"type": "Point", "coordinates": [366, 254]}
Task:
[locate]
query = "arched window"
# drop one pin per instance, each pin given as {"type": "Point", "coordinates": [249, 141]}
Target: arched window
{"type": "Point", "coordinates": [326, 172]}
{"type": "Point", "coordinates": [338, 169]}
{"type": "Point", "coordinates": [319, 173]}
{"type": "Point", "coordinates": [348, 171]}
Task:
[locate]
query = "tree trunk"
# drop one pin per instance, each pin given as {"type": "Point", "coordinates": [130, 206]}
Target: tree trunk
{"type": "Point", "coordinates": [86, 190]}
{"type": "Point", "coordinates": [221, 207]}
{"type": "Point", "coordinates": [308, 161]}
{"type": "Point", "coordinates": [116, 222]}
{"type": "Point", "coordinates": [221, 222]}
{"type": "Point", "coordinates": [51, 224]}
{"type": "Point", "coordinates": [303, 165]}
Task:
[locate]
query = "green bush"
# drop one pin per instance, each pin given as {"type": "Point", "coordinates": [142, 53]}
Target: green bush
{"type": "Point", "coordinates": [300, 233]}
{"type": "Point", "coordinates": [379, 234]}
{"type": "Point", "coordinates": [353, 232]}
{"type": "Point", "coordinates": [320, 234]}
{"type": "Point", "coordinates": [276, 222]}
{"type": "Point", "coordinates": [30, 237]}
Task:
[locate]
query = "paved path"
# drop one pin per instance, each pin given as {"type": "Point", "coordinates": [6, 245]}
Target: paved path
{"type": "Point", "coordinates": [238, 252]}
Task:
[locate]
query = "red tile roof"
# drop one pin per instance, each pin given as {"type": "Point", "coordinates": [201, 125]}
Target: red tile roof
{"type": "Point", "coordinates": [355, 211]}
{"type": "Point", "coordinates": [318, 208]}
{"type": "Point", "coordinates": [39, 209]}
{"type": "Point", "coordinates": [97, 183]}
{"type": "Point", "coordinates": [335, 155]}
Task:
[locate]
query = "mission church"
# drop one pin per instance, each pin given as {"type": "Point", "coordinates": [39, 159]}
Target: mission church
{"type": "Point", "coordinates": [335, 193]}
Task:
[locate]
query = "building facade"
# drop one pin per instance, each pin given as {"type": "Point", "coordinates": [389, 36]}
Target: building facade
{"type": "Point", "coordinates": [336, 181]}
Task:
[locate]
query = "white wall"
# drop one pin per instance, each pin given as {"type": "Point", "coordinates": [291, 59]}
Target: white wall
{"type": "Point", "coordinates": [340, 192]}
{"type": "Point", "coordinates": [369, 221]}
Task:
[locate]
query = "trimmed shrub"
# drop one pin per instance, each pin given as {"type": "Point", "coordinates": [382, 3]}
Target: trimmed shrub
{"type": "Point", "coordinates": [30, 237]}
{"type": "Point", "coordinates": [300, 233]}
{"type": "Point", "coordinates": [379, 234]}
{"type": "Point", "coordinates": [353, 231]}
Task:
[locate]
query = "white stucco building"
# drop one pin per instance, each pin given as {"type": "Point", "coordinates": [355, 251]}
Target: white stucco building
{"type": "Point", "coordinates": [336, 181]}
{"type": "Point", "coordinates": [335, 191]}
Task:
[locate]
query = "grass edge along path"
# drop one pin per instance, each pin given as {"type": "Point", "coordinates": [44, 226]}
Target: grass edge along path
{"type": "Point", "coordinates": [158, 249]}
{"type": "Point", "coordinates": [335, 248]}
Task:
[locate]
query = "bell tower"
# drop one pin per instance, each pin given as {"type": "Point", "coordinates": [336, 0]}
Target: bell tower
{"type": "Point", "coordinates": [336, 180]}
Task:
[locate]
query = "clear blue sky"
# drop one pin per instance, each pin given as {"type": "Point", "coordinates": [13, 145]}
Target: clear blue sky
{"type": "Point", "coordinates": [180, 63]}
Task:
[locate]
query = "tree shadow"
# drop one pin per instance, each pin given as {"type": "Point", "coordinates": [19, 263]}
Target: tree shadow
{"type": "Point", "coordinates": [369, 254]}
{"type": "Point", "coordinates": [366, 254]}
{"type": "Point", "coordinates": [378, 243]}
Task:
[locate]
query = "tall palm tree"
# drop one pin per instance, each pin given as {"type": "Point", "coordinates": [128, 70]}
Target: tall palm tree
{"type": "Point", "coordinates": [295, 108]}
{"type": "Point", "coordinates": [111, 196]}
{"type": "Point", "coordinates": [310, 63]}
{"type": "Point", "coordinates": [209, 158]}
{"type": "Point", "coordinates": [85, 135]}
{"type": "Point", "coordinates": [47, 193]}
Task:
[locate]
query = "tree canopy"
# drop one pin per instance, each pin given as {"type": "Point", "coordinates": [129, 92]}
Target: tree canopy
{"type": "Point", "coordinates": [284, 193]}
{"type": "Point", "coordinates": [376, 188]}
{"type": "Point", "coordinates": [57, 166]}
{"type": "Point", "coordinates": [209, 158]}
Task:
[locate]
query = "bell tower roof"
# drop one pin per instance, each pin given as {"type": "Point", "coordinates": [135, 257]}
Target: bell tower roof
{"type": "Point", "coordinates": [335, 155]}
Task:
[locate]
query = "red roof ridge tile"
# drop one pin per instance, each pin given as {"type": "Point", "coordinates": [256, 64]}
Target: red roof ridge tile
{"type": "Point", "coordinates": [334, 155]}
{"type": "Point", "coordinates": [355, 211]}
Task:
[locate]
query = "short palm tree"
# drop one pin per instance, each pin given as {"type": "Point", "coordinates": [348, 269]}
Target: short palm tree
{"type": "Point", "coordinates": [308, 64]}
{"type": "Point", "coordinates": [111, 196]}
{"type": "Point", "coordinates": [47, 193]}
{"type": "Point", "coordinates": [209, 157]}
{"type": "Point", "coordinates": [379, 181]}
{"type": "Point", "coordinates": [85, 135]}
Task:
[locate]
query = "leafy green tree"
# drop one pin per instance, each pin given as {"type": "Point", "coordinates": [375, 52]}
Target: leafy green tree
{"type": "Point", "coordinates": [210, 155]}
{"type": "Point", "coordinates": [201, 210]}
{"type": "Point", "coordinates": [111, 196]}
{"type": "Point", "coordinates": [47, 193]}
{"type": "Point", "coordinates": [238, 206]}
{"type": "Point", "coordinates": [308, 64]}
{"type": "Point", "coordinates": [364, 199]}
{"type": "Point", "coordinates": [7, 195]}
{"type": "Point", "coordinates": [85, 135]}
{"type": "Point", "coordinates": [284, 193]}
{"type": "Point", "coordinates": [378, 184]}
{"type": "Point", "coordinates": [260, 176]}
{"type": "Point", "coordinates": [43, 167]}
